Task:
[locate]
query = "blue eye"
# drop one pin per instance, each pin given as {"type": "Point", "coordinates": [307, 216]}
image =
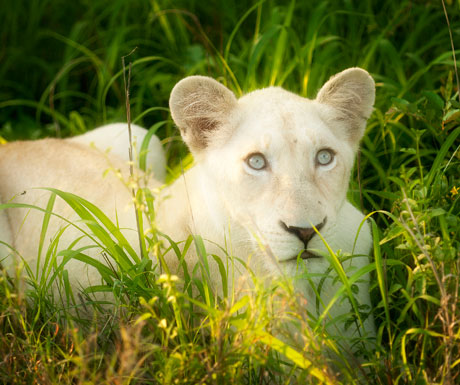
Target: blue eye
{"type": "Point", "coordinates": [324, 157]}
{"type": "Point", "coordinates": [256, 161]}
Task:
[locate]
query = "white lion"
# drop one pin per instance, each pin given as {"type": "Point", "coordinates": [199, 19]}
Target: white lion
{"type": "Point", "coordinates": [272, 169]}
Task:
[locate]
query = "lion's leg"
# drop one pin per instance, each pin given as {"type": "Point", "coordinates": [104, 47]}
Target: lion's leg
{"type": "Point", "coordinates": [6, 239]}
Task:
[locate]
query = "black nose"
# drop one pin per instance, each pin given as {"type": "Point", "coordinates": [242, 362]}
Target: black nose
{"type": "Point", "coordinates": [303, 233]}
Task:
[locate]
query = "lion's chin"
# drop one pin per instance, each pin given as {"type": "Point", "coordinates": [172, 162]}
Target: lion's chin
{"type": "Point", "coordinates": [304, 255]}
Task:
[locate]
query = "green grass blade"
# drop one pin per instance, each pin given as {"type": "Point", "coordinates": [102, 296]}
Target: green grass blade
{"type": "Point", "coordinates": [44, 228]}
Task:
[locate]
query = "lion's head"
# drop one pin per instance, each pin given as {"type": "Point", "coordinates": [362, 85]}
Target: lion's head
{"type": "Point", "coordinates": [276, 163]}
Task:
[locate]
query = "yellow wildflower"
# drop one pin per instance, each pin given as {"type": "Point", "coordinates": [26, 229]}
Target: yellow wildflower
{"type": "Point", "coordinates": [162, 324]}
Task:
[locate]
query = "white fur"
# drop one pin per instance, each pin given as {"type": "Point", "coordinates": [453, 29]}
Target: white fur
{"type": "Point", "coordinates": [221, 198]}
{"type": "Point", "coordinates": [5, 236]}
{"type": "Point", "coordinates": [114, 139]}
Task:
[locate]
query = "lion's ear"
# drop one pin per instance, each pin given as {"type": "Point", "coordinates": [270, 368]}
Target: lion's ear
{"type": "Point", "coordinates": [200, 106]}
{"type": "Point", "coordinates": [351, 93]}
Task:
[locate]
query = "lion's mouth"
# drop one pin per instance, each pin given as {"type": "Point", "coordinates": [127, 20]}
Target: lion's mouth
{"type": "Point", "coordinates": [304, 255]}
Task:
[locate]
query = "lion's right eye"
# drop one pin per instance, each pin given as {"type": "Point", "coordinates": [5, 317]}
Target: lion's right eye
{"type": "Point", "coordinates": [324, 157]}
{"type": "Point", "coordinates": [256, 161]}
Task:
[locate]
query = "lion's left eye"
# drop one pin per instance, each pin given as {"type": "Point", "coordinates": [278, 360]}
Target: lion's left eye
{"type": "Point", "coordinates": [324, 157]}
{"type": "Point", "coordinates": [256, 161]}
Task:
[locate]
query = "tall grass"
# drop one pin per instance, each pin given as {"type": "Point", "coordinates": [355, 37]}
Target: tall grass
{"type": "Point", "coordinates": [61, 74]}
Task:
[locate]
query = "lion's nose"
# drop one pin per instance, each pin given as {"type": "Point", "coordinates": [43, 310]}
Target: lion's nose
{"type": "Point", "coordinates": [303, 233]}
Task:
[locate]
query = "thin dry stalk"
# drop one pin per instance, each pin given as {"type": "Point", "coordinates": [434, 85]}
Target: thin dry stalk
{"type": "Point", "coordinates": [127, 85]}
{"type": "Point", "coordinates": [51, 101]}
{"type": "Point", "coordinates": [452, 47]}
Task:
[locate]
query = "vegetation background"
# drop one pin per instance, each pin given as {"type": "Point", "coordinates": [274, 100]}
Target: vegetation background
{"type": "Point", "coordinates": [61, 75]}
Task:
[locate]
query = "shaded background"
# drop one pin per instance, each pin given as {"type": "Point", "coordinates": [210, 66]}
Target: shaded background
{"type": "Point", "coordinates": [60, 60]}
